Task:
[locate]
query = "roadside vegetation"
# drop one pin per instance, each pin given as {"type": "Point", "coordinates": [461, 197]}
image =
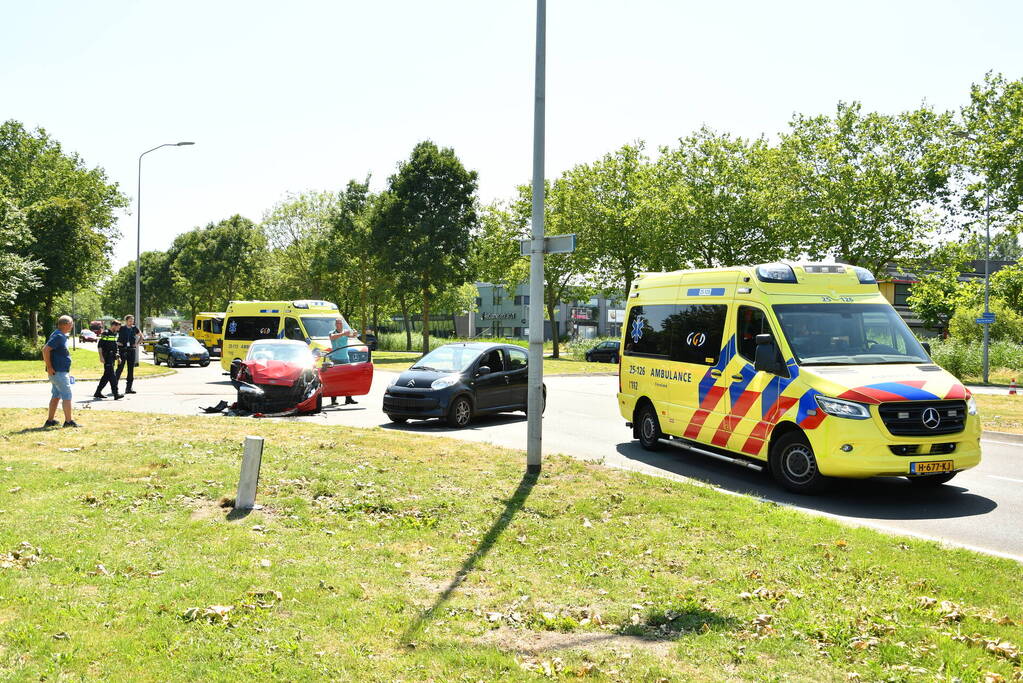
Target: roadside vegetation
{"type": "Point", "coordinates": [400, 360]}
{"type": "Point", "coordinates": [85, 366]}
{"type": "Point", "coordinates": [1002, 413]}
{"type": "Point", "coordinates": [377, 557]}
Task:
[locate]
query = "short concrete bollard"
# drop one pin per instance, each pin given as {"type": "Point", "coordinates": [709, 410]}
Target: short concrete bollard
{"type": "Point", "coordinates": [252, 458]}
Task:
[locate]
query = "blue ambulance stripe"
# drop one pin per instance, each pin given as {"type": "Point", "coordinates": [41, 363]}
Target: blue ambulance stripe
{"type": "Point", "coordinates": [776, 387]}
{"type": "Point", "coordinates": [736, 388]}
{"type": "Point", "coordinates": [807, 402]}
{"type": "Point", "coordinates": [727, 353]}
{"type": "Point", "coordinates": [705, 291]}
{"type": "Point", "coordinates": [905, 391]}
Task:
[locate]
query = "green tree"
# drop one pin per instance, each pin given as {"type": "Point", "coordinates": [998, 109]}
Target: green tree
{"type": "Point", "coordinates": [565, 275]}
{"type": "Point", "coordinates": [1008, 323]}
{"type": "Point", "coordinates": [495, 253]}
{"type": "Point", "coordinates": [217, 263]}
{"type": "Point", "coordinates": [351, 254]}
{"type": "Point", "coordinates": [298, 233]}
{"type": "Point", "coordinates": [712, 204]}
{"type": "Point", "coordinates": [859, 186]}
{"type": "Point", "coordinates": [994, 116]}
{"type": "Point", "coordinates": [158, 289]}
{"type": "Point", "coordinates": [17, 273]}
{"type": "Point", "coordinates": [1007, 285]}
{"type": "Point", "coordinates": [938, 295]}
{"type": "Point", "coordinates": [425, 222]}
{"type": "Point", "coordinates": [606, 200]}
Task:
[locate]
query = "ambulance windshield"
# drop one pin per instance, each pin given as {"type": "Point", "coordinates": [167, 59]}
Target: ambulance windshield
{"type": "Point", "coordinates": [848, 334]}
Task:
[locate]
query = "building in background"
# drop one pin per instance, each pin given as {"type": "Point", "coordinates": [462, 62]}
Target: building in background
{"type": "Point", "coordinates": [501, 313]}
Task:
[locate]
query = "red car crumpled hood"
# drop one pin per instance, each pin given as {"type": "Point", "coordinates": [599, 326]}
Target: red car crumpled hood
{"type": "Point", "coordinates": [278, 372]}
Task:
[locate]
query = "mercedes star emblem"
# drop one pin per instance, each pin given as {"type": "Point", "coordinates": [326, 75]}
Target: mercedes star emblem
{"type": "Point", "coordinates": [931, 418]}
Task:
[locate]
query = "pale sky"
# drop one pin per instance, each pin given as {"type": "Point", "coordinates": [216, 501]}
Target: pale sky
{"type": "Point", "coordinates": [293, 96]}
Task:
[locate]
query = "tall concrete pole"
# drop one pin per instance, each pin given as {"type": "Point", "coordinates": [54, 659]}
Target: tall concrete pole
{"type": "Point", "coordinates": [987, 278]}
{"type": "Point", "coordinates": [535, 396]}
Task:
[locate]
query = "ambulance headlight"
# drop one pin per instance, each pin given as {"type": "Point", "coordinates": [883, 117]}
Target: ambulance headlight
{"type": "Point", "coordinates": [842, 408]}
{"type": "Point", "coordinates": [776, 272]}
{"type": "Point", "coordinates": [971, 405]}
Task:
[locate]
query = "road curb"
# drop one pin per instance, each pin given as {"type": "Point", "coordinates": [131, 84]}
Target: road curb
{"type": "Point", "coordinates": [165, 373]}
{"type": "Point", "coordinates": [1002, 436]}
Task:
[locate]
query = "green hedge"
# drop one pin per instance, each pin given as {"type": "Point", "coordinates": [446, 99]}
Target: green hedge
{"type": "Point", "coordinates": [18, 348]}
{"type": "Point", "coordinates": [963, 358]}
{"type": "Point", "coordinates": [395, 341]}
{"type": "Point", "coordinates": [577, 349]}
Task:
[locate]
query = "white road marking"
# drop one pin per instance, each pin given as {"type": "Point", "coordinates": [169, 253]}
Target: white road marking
{"type": "Point", "coordinates": [995, 476]}
{"type": "Point", "coordinates": [1001, 443]}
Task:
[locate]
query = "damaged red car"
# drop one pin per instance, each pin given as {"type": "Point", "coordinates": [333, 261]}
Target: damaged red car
{"type": "Point", "coordinates": [284, 377]}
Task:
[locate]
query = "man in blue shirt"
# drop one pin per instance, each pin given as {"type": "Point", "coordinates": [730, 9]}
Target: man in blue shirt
{"type": "Point", "coordinates": [58, 367]}
{"type": "Point", "coordinates": [339, 339]}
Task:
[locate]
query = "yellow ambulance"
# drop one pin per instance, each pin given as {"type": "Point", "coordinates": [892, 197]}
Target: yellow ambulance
{"type": "Point", "coordinates": [208, 330]}
{"type": "Point", "coordinates": [802, 368]}
{"type": "Point", "coordinates": [306, 320]}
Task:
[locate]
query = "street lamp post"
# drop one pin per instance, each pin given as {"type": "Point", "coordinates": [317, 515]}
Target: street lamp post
{"type": "Point", "coordinates": [138, 231]}
{"type": "Point", "coordinates": [987, 261]}
{"type": "Point", "coordinates": [534, 396]}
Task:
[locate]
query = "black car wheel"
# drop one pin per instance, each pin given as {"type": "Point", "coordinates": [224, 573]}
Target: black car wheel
{"type": "Point", "coordinates": [929, 480]}
{"type": "Point", "coordinates": [649, 429]}
{"type": "Point", "coordinates": [794, 465]}
{"type": "Point", "coordinates": [460, 412]}
{"type": "Point", "coordinates": [156, 359]}
{"type": "Point", "coordinates": [204, 363]}
{"type": "Point", "coordinates": [397, 419]}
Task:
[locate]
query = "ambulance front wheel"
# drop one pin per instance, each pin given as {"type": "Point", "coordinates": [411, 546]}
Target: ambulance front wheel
{"type": "Point", "coordinates": [649, 429]}
{"type": "Point", "coordinates": [794, 466]}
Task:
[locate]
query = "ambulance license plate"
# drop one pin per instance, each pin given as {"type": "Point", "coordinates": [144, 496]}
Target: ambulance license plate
{"type": "Point", "coordinates": [931, 467]}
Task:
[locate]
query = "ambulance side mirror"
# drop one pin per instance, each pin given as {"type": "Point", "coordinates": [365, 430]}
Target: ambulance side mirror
{"type": "Point", "coordinates": [767, 359]}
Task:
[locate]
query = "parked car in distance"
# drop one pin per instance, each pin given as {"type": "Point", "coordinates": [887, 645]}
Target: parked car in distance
{"type": "Point", "coordinates": [281, 376]}
{"type": "Point", "coordinates": [604, 352]}
{"type": "Point", "coordinates": [87, 336]}
{"type": "Point", "coordinates": [371, 341]}
{"type": "Point", "coordinates": [177, 349]}
{"type": "Point", "coordinates": [456, 382]}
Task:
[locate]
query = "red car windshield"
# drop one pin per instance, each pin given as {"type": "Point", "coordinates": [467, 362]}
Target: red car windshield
{"type": "Point", "coordinates": [290, 353]}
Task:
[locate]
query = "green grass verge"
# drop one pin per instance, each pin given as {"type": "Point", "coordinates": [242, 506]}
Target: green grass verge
{"type": "Point", "coordinates": [399, 360]}
{"type": "Point", "coordinates": [85, 365]}
{"type": "Point", "coordinates": [1001, 413]}
{"type": "Point", "coordinates": [382, 556]}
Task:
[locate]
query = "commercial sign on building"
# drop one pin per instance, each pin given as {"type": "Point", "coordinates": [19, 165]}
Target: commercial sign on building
{"type": "Point", "coordinates": [497, 316]}
{"type": "Point", "coordinates": [615, 315]}
{"type": "Point", "coordinates": [582, 314]}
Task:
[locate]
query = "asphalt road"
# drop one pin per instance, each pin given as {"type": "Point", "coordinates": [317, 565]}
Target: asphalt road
{"type": "Point", "coordinates": [980, 509]}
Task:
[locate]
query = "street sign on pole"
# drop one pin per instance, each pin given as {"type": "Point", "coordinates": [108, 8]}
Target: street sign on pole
{"type": "Point", "coordinates": [988, 314]}
{"type": "Point", "coordinates": [556, 244]}
{"type": "Point", "coordinates": [985, 321]}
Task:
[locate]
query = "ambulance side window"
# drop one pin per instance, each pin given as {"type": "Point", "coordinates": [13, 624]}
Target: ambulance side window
{"type": "Point", "coordinates": [751, 322]}
{"type": "Point", "coordinates": [648, 332]}
{"type": "Point", "coordinates": [697, 331]}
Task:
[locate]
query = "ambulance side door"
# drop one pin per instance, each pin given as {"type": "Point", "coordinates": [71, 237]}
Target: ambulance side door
{"type": "Point", "coordinates": [647, 356]}
{"type": "Point", "coordinates": [755, 397]}
{"type": "Point", "coordinates": [700, 350]}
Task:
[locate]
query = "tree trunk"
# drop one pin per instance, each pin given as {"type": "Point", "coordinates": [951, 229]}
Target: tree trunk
{"type": "Point", "coordinates": [404, 317]}
{"type": "Point", "coordinates": [554, 329]}
{"type": "Point", "coordinates": [48, 314]}
{"type": "Point", "coordinates": [362, 297]}
{"type": "Point", "coordinates": [33, 327]}
{"type": "Point", "coordinates": [376, 326]}
{"type": "Point", "coordinates": [426, 320]}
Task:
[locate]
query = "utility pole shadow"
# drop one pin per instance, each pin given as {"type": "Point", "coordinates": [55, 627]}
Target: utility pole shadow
{"type": "Point", "coordinates": [511, 506]}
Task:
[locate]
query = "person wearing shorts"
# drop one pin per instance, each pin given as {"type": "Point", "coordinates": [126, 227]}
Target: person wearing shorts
{"type": "Point", "coordinates": [58, 367]}
{"type": "Point", "coordinates": [339, 340]}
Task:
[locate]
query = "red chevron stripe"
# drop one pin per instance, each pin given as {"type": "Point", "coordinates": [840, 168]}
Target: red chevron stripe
{"type": "Point", "coordinates": [752, 446]}
{"type": "Point", "coordinates": [957, 391]}
{"type": "Point", "coordinates": [739, 408]}
{"type": "Point", "coordinates": [813, 421]}
{"type": "Point", "coordinates": [867, 395]}
{"type": "Point", "coordinates": [714, 395]}
{"type": "Point", "coordinates": [763, 428]}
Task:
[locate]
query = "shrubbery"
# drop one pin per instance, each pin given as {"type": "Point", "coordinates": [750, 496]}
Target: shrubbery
{"type": "Point", "coordinates": [395, 341]}
{"type": "Point", "coordinates": [577, 349]}
{"type": "Point", "coordinates": [14, 347]}
{"type": "Point", "coordinates": [963, 358]}
{"type": "Point", "coordinates": [1008, 323]}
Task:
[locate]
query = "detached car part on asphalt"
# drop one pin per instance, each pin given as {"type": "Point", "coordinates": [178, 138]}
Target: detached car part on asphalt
{"type": "Point", "coordinates": [283, 377]}
{"type": "Point", "coordinates": [456, 382]}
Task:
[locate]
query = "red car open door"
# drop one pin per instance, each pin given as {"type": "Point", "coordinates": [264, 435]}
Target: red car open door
{"type": "Point", "coordinates": [347, 371]}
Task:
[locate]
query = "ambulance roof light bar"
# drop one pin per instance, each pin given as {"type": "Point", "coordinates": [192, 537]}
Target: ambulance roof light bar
{"type": "Point", "coordinates": [776, 272]}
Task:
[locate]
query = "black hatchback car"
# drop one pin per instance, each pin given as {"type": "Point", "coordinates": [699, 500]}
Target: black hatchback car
{"type": "Point", "coordinates": [604, 352]}
{"type": "Point", "coordinates": [456, 382]}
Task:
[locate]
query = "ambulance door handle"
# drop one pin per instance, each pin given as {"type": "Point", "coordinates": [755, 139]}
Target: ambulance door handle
{"type": "Point", "coordinates": [715, 373]}
{"type": "Point", "coordinates": [737, 377]}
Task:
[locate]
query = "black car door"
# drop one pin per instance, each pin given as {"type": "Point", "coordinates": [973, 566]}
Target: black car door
{"type": "Point", "coordinates": [161, 350]}
{"type": "Point", "coordinates": [491, 388]}
{"type": "Point", "coordinates": [518, 375]}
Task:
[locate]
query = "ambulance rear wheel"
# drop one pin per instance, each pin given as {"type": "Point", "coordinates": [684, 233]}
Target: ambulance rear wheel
{"type": "Point", "coordinates": [649, 429]}
{"type": "Point", "coordinates": [794, 466]}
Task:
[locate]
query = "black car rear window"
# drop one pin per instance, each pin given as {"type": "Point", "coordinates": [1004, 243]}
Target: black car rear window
{"type": "Point", "coordinates": [251, 327]}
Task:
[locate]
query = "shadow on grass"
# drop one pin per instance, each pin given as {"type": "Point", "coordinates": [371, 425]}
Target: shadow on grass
{"type": "Point", "coordinates": [511, 505]}
{"type": "Point", "coordinates": [669, 622]}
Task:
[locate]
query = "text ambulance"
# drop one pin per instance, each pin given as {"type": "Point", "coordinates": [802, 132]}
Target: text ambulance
{"type": "Point", "coordinates": [804, 368]}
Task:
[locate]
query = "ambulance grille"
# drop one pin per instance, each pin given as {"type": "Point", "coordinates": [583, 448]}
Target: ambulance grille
{"type": "Point", "coordinates": [917, 418]}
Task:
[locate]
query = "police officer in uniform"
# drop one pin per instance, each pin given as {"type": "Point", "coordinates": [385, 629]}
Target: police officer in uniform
{"type": "Point", "coordinates": [107, 346]}
{"type": "Point", "coordinates": [128, 339]}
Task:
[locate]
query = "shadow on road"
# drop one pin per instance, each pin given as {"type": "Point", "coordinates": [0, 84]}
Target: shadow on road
{"type": "Point", "coordinates": [891, 498]}
{"type": "Point", "coordinates": [511, 506]}
{"type": "Point", "coordinates": [440, 426]}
